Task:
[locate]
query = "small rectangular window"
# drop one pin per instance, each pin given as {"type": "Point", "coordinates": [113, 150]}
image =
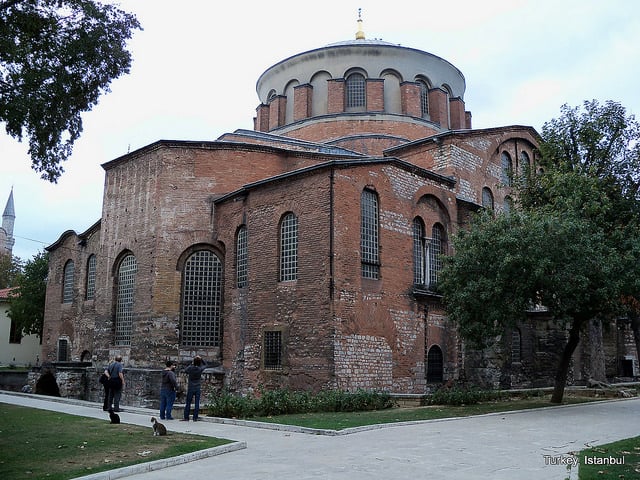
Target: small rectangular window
{"type": "Point", "coordinates": [273, 350]}
{"type": "Point", "coordinates": [15, 334]}
{"type": "Point", "coordinates": [63, 350]}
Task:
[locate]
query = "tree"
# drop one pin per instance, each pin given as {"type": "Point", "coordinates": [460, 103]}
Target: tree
{"type": "Point", "coordinates": [572, 245]}
{"type": "Point", "coordinates": [56, 58]}
{"type": "Point", "coordinates": [10, 268]}
{"type": "Point", "coordinates": [26, 306]}
{"type": "Point", "coordinates": [599, 141]}
{"type": "Point", "coordinates": [603, 142]}
{"type": "Point", "coordinates": [505, 266]}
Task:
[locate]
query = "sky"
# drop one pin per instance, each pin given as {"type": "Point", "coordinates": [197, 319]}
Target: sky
{"type": "Point", "coordinates": [196, 63]}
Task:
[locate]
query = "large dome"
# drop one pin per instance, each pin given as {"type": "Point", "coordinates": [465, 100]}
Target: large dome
{"type": "Point", "coordinates": [346, 91]}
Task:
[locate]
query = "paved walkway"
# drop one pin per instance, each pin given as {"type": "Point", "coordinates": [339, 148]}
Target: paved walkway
{"type": "Point", "coordinates": [517, 445]}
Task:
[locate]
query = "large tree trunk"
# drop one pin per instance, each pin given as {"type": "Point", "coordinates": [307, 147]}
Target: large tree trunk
{"type": "Point", "coordinates": [565, 361]}
{"type": "Point", "coordinates": [635, 327]}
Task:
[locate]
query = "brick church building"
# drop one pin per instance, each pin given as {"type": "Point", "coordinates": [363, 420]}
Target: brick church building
{"type": "Point", "coordinates": [304, 253]}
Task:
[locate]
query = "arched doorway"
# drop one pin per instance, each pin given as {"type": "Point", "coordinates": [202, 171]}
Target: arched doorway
{"type": "Point", "coordinates": [435, 365]}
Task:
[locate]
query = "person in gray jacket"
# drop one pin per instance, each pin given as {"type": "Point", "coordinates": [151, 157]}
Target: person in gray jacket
{"type": "Point", "coordinates": [194, 372]}
{"type": "Point", "coordinates": [168, 389]}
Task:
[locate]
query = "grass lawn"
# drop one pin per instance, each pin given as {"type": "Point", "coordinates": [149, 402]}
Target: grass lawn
{"type": "Point", "coordinates": [602, 462]}
{"type": "Point", "coordinates": [38, 444]}
{"type": "Point", "coordinates": [342, 420]}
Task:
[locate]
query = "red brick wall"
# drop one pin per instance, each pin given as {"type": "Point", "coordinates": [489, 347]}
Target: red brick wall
{"type": "Point", "coordinates": [375, 94]}
{"type": "Point", "coordinates": [410, 99]}
{"type": "Point", "coordinates": [302, 101]}
{"type": "Point", "coordinates": [335, 95]}
{"type": "Point", "coordinates": [323, 131]}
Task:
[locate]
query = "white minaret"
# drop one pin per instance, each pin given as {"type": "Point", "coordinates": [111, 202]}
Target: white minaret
{"type": "Point", "coordinates": [8, 219]}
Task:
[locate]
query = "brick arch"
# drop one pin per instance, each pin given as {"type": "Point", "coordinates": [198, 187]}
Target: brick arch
{"type": "Point", "coordinates": [118, 260]}
{"type": "Point", "coordinates": [437, 206]}
{"type": "Point", "coordinates": [219, 252]}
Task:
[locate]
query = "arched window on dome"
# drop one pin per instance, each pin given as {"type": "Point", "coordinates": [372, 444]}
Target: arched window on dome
{"type": "Point", "coordinates": [449, 93]}
{"type": "Point", "coordinates": [355, 92]}
{"type": "Point", "coordinates": [271, 96]}
{"type": "Point", "coordinates": [424, 97]}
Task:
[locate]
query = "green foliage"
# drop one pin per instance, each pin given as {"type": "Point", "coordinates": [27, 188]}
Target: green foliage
{"type": "Point", "coordinates": [506, 265]}
{"type": "Point", "coordinates": [463, 396]}
{"type": "Point", "coordinates": [284, 401]}
{"type": "Point", "coordinates": [27, 302]}
{"type": "Point", "coordinates": [598, 141]}
{"type": "Point", "coordinates": [10, 269]}
{"type": "Point", "coordinates": [56, 58]}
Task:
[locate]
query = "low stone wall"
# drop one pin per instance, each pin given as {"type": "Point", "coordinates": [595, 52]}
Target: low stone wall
{"type": "Point", "coordinates": [142, 385]}
{"type": "Point", "coordinates": [12, 380]}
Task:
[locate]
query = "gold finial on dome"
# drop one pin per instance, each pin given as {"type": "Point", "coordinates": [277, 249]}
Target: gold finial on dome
{"type": "Point", "coordinates": [359, 33]}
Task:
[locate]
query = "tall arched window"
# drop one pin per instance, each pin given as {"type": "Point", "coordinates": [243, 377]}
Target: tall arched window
{"type": "Point", "coordinates": [419, 249]}
{"type": "Point", "coordinates": [508, 204]}
{"type": "Point", "coordinates": [487, 198]}
{"type": "Point", "coordinates": [507, 169]}
{"type": "Point", "coordinates": [241, 257]}
{"type": "Point", "coordinates": [525, 163]}
{"type": "Point", "coordinates": [91, 277]}
{"type": "Point", "coordinates": [369, 244]}
{"type": "Point", "coordinates": [436, 250]}
{"type": "Point", "coordinates": [202, 300]}
{"type": "Point", "coordinates": [355, 92]}
{"type": "Point", "coordinates": [424, 98]}
{"type": "Point", "coordinates": [289, 248]}
{"type": "Point", "coordinates": [124, 299]}
{"type": "Point", "coordinates": [68, 280]}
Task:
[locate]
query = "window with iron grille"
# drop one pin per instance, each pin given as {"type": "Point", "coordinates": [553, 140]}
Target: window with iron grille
{"type": "Point", "coordinates": [91, 277]}
{"type": "Point", "coordinates": [355, 91]}
{"type": "Point", "coordinates": [202, 300]}
{"type": "Point", "coordinates": [67, 287]}
{"type": "Point", "coordinates": [369, 246]}
{"type": "Point", "coordinates": [424, 98]}
{"type": "Point", "coordinates": [289, 248]}
{"type": "Point", "coordinates": [507, 169]}
{"type": "Point", "coordinates": [241, 257]}
{"type": "Point", "coordinates": [487, 198]}
{"type": "Point", "coordinates": [272, 350]}
{"type": "Point", "coordinates": [124, 300]}
{"type": "Point", "coordinates": [524, 162]}
{"type": "Point", "coordinates": [63, 350]}
{"type": "Point", "coordinates": [419, 248]}
{"type": "Point", "coordinates": [516, 346]}
{"type": "Point", "coordinates": [436, 250]}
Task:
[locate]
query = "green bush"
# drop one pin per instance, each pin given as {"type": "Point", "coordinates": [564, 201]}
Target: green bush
{"type": "Point", "coordinates": [464, 396]}
{"type": "Point", "coordinates": [283, 401]}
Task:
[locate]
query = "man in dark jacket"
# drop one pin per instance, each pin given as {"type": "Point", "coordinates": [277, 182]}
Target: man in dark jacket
{"type": "Point", "coordinates": [194, 372]}
{"type": "Point", "coordinates": [168, 389]}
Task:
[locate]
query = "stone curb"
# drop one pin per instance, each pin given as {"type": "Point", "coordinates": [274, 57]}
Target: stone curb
{"type": "Point", "coordinates": [164, 463]}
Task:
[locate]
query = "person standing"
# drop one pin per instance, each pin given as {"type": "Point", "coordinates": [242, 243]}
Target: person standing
{"type": "Point", "coordinates": [115, 372]}
{"type": "Point", "coordinates": [194, 373]}
{"type": "Point", "coordinates": [168, 389]}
